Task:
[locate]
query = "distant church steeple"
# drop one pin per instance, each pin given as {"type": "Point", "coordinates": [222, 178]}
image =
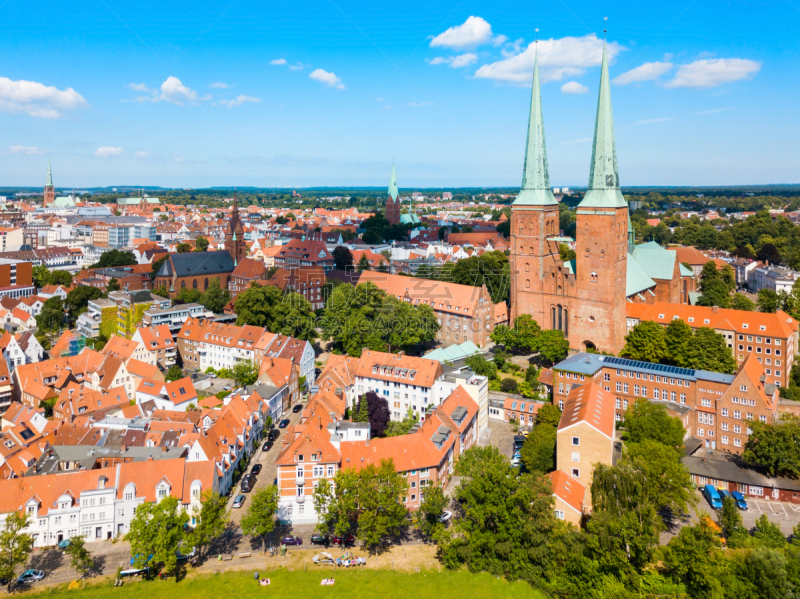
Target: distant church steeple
{"type": "Point", "coordinates": [49, 190]}
{"type": "Point", "coordinates": [393, 201]}
{"type": "Point", "coordinates": [234, 235]}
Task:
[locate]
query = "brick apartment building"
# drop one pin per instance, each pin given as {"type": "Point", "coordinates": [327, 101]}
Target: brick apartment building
{"type": "Point", "coordinates": [714, 408]}
{"type": "Point", "coordinates": [305, 280]}
{"type": "Point", "coordinates": [465, 313]}
{"type": "Point", "coordinates": [772, 337]}
{"type": "Point", "coordinates": [307, 252]}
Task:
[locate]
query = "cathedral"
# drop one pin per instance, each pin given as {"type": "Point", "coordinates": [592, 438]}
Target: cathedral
{"type": "Point", "coordinates": [49, 189]}
{"type": "Point", "coordinates": [585, 297]}
{"type": "Point", "coordinates": [393, 201]}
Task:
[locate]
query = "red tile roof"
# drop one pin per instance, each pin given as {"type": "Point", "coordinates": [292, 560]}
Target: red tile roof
{"type": "Point", "coordinates": [590, 404]}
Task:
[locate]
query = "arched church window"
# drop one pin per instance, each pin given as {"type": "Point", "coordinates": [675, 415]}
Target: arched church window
{"type": "Point", "coordinates": [566, 323]}
{"type": "Point", "coordinates": [194, 284]}
{"type": "Point", "coordinates": [602, 253]}
{"type": "Point", "coordinates": [593, 277]}
{"type": "Point", "coordinates": [527, 283]}
{"type": "Point", "coordinates": [553, 317]}
{"type": "Point", "coordinates": [587, 252]}
{"type": "Point", "coordinates": [527, 267]}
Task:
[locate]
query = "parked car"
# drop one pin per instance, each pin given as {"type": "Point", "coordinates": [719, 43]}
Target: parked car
{"type": "Point", "coordinates": [227, 388]}
{"type": "Point", "coordinates": [212, 375]}
{"type": "Point", "coordinates": [256, 469]}
{"type": "Point", "coordinates": [344, 540]}
{"type": "Point", "coordinates": [267, 445]}
{"type": "Point", "coordinates": [247, 483]}
{"type": "Point", "coordinates": [519, 440]}
{"type": "Point", "coordinates": [274, 434]}
{"type": "Point", "coordinates": [239, 501]}
{"type": "Point", "coordinates": [515, 462]}
{"type": "Point", "coordinates": [723, 493]}
{"type": "Point", "coordinates": [318, 539]}
{"type": "Point", "coordinates": [712, 496]}
{"type": "Point", "coordinates": [284, 423]}
{"type": "Point", "coordinates": [317, 371]}
{"type": "Point", "coordinates": [291, 540]}
{"type": "Point", "coordinates": [297, 408]}
{"type": "Point", "coordinates": [741, 502]}
{"type": "Point", "coordinates": [445, 516]}
{"type": "Point", "coordinates": [29, 576]}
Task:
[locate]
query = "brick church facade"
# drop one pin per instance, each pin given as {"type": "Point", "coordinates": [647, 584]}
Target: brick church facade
{"type": "Point", "coordinates": [585, 297]}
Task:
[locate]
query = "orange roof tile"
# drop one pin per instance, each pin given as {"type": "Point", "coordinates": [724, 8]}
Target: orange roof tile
{"type": "Point", "coordinates": [590, 404]}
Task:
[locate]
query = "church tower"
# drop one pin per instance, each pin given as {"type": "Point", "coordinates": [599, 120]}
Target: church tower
{"type": "Point", "coordinates": [598, 318]}
{"type": "Point", "coordinates": [234, 236]}
{"type": "Point", "coordinates": [537, 272]}
{"type": "Point", "coordinates": [49, 190]}
{"type": "Point", "coordinates": [393, 201]}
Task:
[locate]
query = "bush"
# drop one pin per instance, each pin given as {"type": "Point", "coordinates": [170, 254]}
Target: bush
{"type": "Point", "coordinates": [509, 385]}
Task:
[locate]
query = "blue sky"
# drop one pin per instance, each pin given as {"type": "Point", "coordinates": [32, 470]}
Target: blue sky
{"type": "Point", "coordinates": [239, 92]}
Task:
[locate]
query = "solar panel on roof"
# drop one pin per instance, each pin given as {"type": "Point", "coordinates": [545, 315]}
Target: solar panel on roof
{"type": "Point", "coordinates": [649, 366]}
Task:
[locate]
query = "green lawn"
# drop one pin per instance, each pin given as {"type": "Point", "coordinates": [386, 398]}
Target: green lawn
{"type": "Point", "coordinates": [352, 584]}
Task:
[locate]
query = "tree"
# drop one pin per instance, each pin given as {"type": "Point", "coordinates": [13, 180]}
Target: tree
{"type": "Point", "coordinates": [183, 248]}
{"type": "Point", "coordinates": [430, 510]}
{"type": "Point", "coordinates": [200, 244]}
{"type": "Point", "coordinates": [715, 293]}
{"type": "Point", "coordinates": [174, 373]}
{"type": "Point", "coordinates": [565, 253]}
{"type": "Point", "coordinates": [342, 258]}
{"type": "Point", "coordinates": [662, 468]}
{"type": "Point", "coordinates": [768, 534]}
{"type": "Point", "coordinates": [370, 501]}
{"type": "Point", "coordinates": [552, 346]}
{"type": "Point", "coordinates": [730, 521]}
{"type": "Point", "coordinates": [267, 307]}
{"type": "Point", "coordinates": [768, 301]}
{"type": "Point", "coordinates": [767, 573]}
{"type": "Point", "coordinates": [323, 496]}
{"type": "Point", "coordinates": [245, 373]}
{"type": "Point", "coordinates": [508, 385]}
{"type": "Point", "coordinates": [363, 263]}
{"type": "Point", "coordinates": [80, 557]}
{"type": "Point", "coordinates": [482, 367]}
{"type": "Point", "coordinates": [504, 228]}
{"type": "Point", "coordinates": [41, 275]}
{"type": "Point", "coordinates": [259, 520]}
{"type": "Point", "coordinates": [402, 427]}
{"type": "Point", "coordinates": [79, 298]}
{"type": "Point", "coordinates": [211, 517]}
{"type": "Point", "coordinates": [215, 299]}
{"type": "Point", "coordinates": [377, 412]}
{"type": "Point", "coordinates": [648, 421]}
{"type": "Point", "coordinates": [728, 277]}
{"type": "Point", "coordinates": [539, 450]}
{"type": "Point", "coordinates": [646, 342]}
{"type": "Point", "coordinates": [113, 258]}
{"type": "Point", "coordinates": [693, 558]}
{"type": "Point", "coordinates": [15, 544]}
{"type": "Point", "coordinates": [112, 285]}
{"type": "Point", "coordinates": [775, 446]}
{"type": "Point", "coordinates": [742, 302]}
{"type": "Point", "coordinates": [708, 350]}
{"type": "Point", "coordinates": [769, 253]}
{"type": "Point", "coordinates": [52, 315]}
{"type": "Point", "coordinates": [189, 296]}
{"type": "Point", "coordinates": [708, 273]}
{"type": "Point", "coordinates": [677, 336]}
{"type": "Point", "coordinates": [157, 530]}
{"type": "Point", "coordinates": [507, 519]}
{"type": "Point", "coordinates": [60, 277]}
{"type": "Point", "coordinates": [548, 415]}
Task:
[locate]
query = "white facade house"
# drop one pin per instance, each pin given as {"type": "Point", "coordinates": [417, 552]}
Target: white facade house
{"type": "Point", "coordinates": [776, 278]}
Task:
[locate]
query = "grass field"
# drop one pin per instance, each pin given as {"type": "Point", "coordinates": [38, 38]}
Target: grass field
{"type": "Point", "coordinates": [352, 584]}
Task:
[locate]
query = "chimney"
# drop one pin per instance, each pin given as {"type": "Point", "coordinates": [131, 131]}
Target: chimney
{"type": "Point", "coordinates": [715, 309]}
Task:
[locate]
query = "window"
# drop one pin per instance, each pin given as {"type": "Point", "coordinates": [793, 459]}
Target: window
{"type": "Point", "coordinates": [738, 443]}
{"type": "Point", "coordinates": [619, 386]}
{"type": "Point", "coordinates": [559, 514]}
{"type": "Point", "coordinates": [576, 457]}
{"type": "Point", "coordinates": [576, 473]}
{"type": "Point", "coordinates": [737, 414]}
{"type": "Point", "coordinates": [724, 411]}
{"type": "Point", "coordinates": [162, 493]}
{"type": "Point", "coordinates": [576, 441]}
{"type": "Point", "coordinates": [724, 439]}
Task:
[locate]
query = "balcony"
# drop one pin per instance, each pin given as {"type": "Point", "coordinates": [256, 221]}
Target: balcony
{"type": "Point", "coordinates": [300, 481]}
{"type": "Point", "coordinates": [300, 499]}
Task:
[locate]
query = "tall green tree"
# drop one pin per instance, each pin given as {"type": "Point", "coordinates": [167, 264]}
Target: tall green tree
{"type": "Point", "coordinates": [158, 530]}
{"type": "Point", "coordinates": [342, 258]}
{"type": "Point", "coordinates": [78, 299]}
{"type": "Point", "coordinates": [183, 248]}
{"type": "Point", "coordinates": [708, 350]}
{"type": "Point", "coordinates": [259, 520]}
{"type": "Point", "coordinates": [112, 285]}
{"type": "Point", "coordinates": [677, 336]}
{"type": "Point", "coordinates": [15, 544]}
{"type": "Point", "coordinates": [646, 341]}
{"type": "Point", "coordinates": [694, 559]}
{"type": "Point", "coordinates": [245, 372]}
{"type": "Point", "coordinates": [649, 421]}
{"type": "Point", "coordinates": [113, 258]}
{"type": "Point", "coordinates": [174, 373]}
{"type": "Point", "coordinates": [211, 518]}
{"type": "Point", "coordinates": [363, 264]}
{"type": "Point", "coordinates": [200, 244]}
{"type": "Point", "coordinates": [742, 302]}
{"type": "Point", "coordinates": [60, 277]}
{"type": "Point", "coordinates": [539, 450]}
{"type": "Point", "coordinates": [715, 293]}
{"type": "Point", "coordinates": [708, 273]}
{"type": "Point", "coordinates": [267, 307]}
{"type": "Point", "coordinates": [79, 556]}
{"type": "Point", "coordinates": [215, 298]}
{"type": "Point", "coordinates": [51, 317]}
{"type": "Point", "coordinates": [768, 301]}
{"type": "Point", "coordinates": [775, 446]}
{"type": "Point", "coordinates": [430, 510]}
{"type": "Point", "coordinates": [41, 275]}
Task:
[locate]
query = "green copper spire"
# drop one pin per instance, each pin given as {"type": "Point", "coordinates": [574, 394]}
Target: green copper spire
{"type": "Point", "coordinates": [393, 184]}
{"type": "Point", "coordinates": [535, 189]}
{"type": "Point", "coordinates": [49, 182]}
{"type": "Point", "coordinates": [603, 189]}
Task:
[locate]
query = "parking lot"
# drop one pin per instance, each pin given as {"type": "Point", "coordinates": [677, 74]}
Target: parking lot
{"type": "Point", "coordinates": [785, 515]}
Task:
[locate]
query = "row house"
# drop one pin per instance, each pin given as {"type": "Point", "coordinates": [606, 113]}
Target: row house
{"type": "Point", "coordinates": [715, 408]}
{"type": "Point", "coordinates": [307, 252]}
{"type": "Point", "coordinates": [75, 401]}
{"type": "Point", "coordinates": [21, 348]}
{"type": "Point", "coordinates": [159, 344]}
{"type": "Point", "coordinates": [99, 504]}
{"type": "Point", "coordinates": [173, 395]}
{"type": "Point", "coordinates": [321, 445]}
{"type": "Point", "coordinates": [772, 337]}
{"type": "Point", "coordinates": [43, 381]}
{"type": "Point", "coordinates": [283, 374]}
{"type": "Point", "coordinates": [173, 317]}
{"type": "Point", "coordinates": [247, 272]}
{"type": "Point", "coordinates": [125, 349]}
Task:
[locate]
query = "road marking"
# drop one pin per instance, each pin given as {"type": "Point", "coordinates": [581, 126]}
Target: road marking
{"type": "Point", "coordinates": [795, 508]}
{"type": "Point", "coordinates": [758, 507]}
{"type": "Point", "coordinates": [783, 507]}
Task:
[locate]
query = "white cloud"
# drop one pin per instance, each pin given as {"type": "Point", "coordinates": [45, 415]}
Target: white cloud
{"type": "Point", "coordinates": [139, 87]}
{"type": "Point", "coordinates": [25, 150]}
{"type": "Point", "coordinates": [646, 72]}
{"type": "Point", "coordinates": [108, 151]}
{"type": "Point", "coordinates": [278, 61]}
{"type": "Point", "coordinates": [298, 67]}
{"type": "Point", "coordinates": [141, 154]}
{"type": "Point", "coordinates": [239, 100]}
{"type": "Point", "coordinates": [714, 110]}
{"type": "Point", "coordinates": [329, 79]}
{"type": "Point", "coordinates": [658, 120]}
{"type": "Point", "coordinates": [456, 62]}
{"type": "Point", "coordinates": [714, 71]}
{"type": "Point", "coordinates": [474, 32]}
{"type": "Point", "coordinates": [175, 92]}
{"type": "Point", "coordinates": [558, 58]}
{"type": "Point", "coordinates": [499, 40]}
{"type": "Point", "coordinates": [219, 85]}
{"type": "Point", "coordinates": [38, 100]}
{"type": "Point", "coordinates": [573, 87]}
